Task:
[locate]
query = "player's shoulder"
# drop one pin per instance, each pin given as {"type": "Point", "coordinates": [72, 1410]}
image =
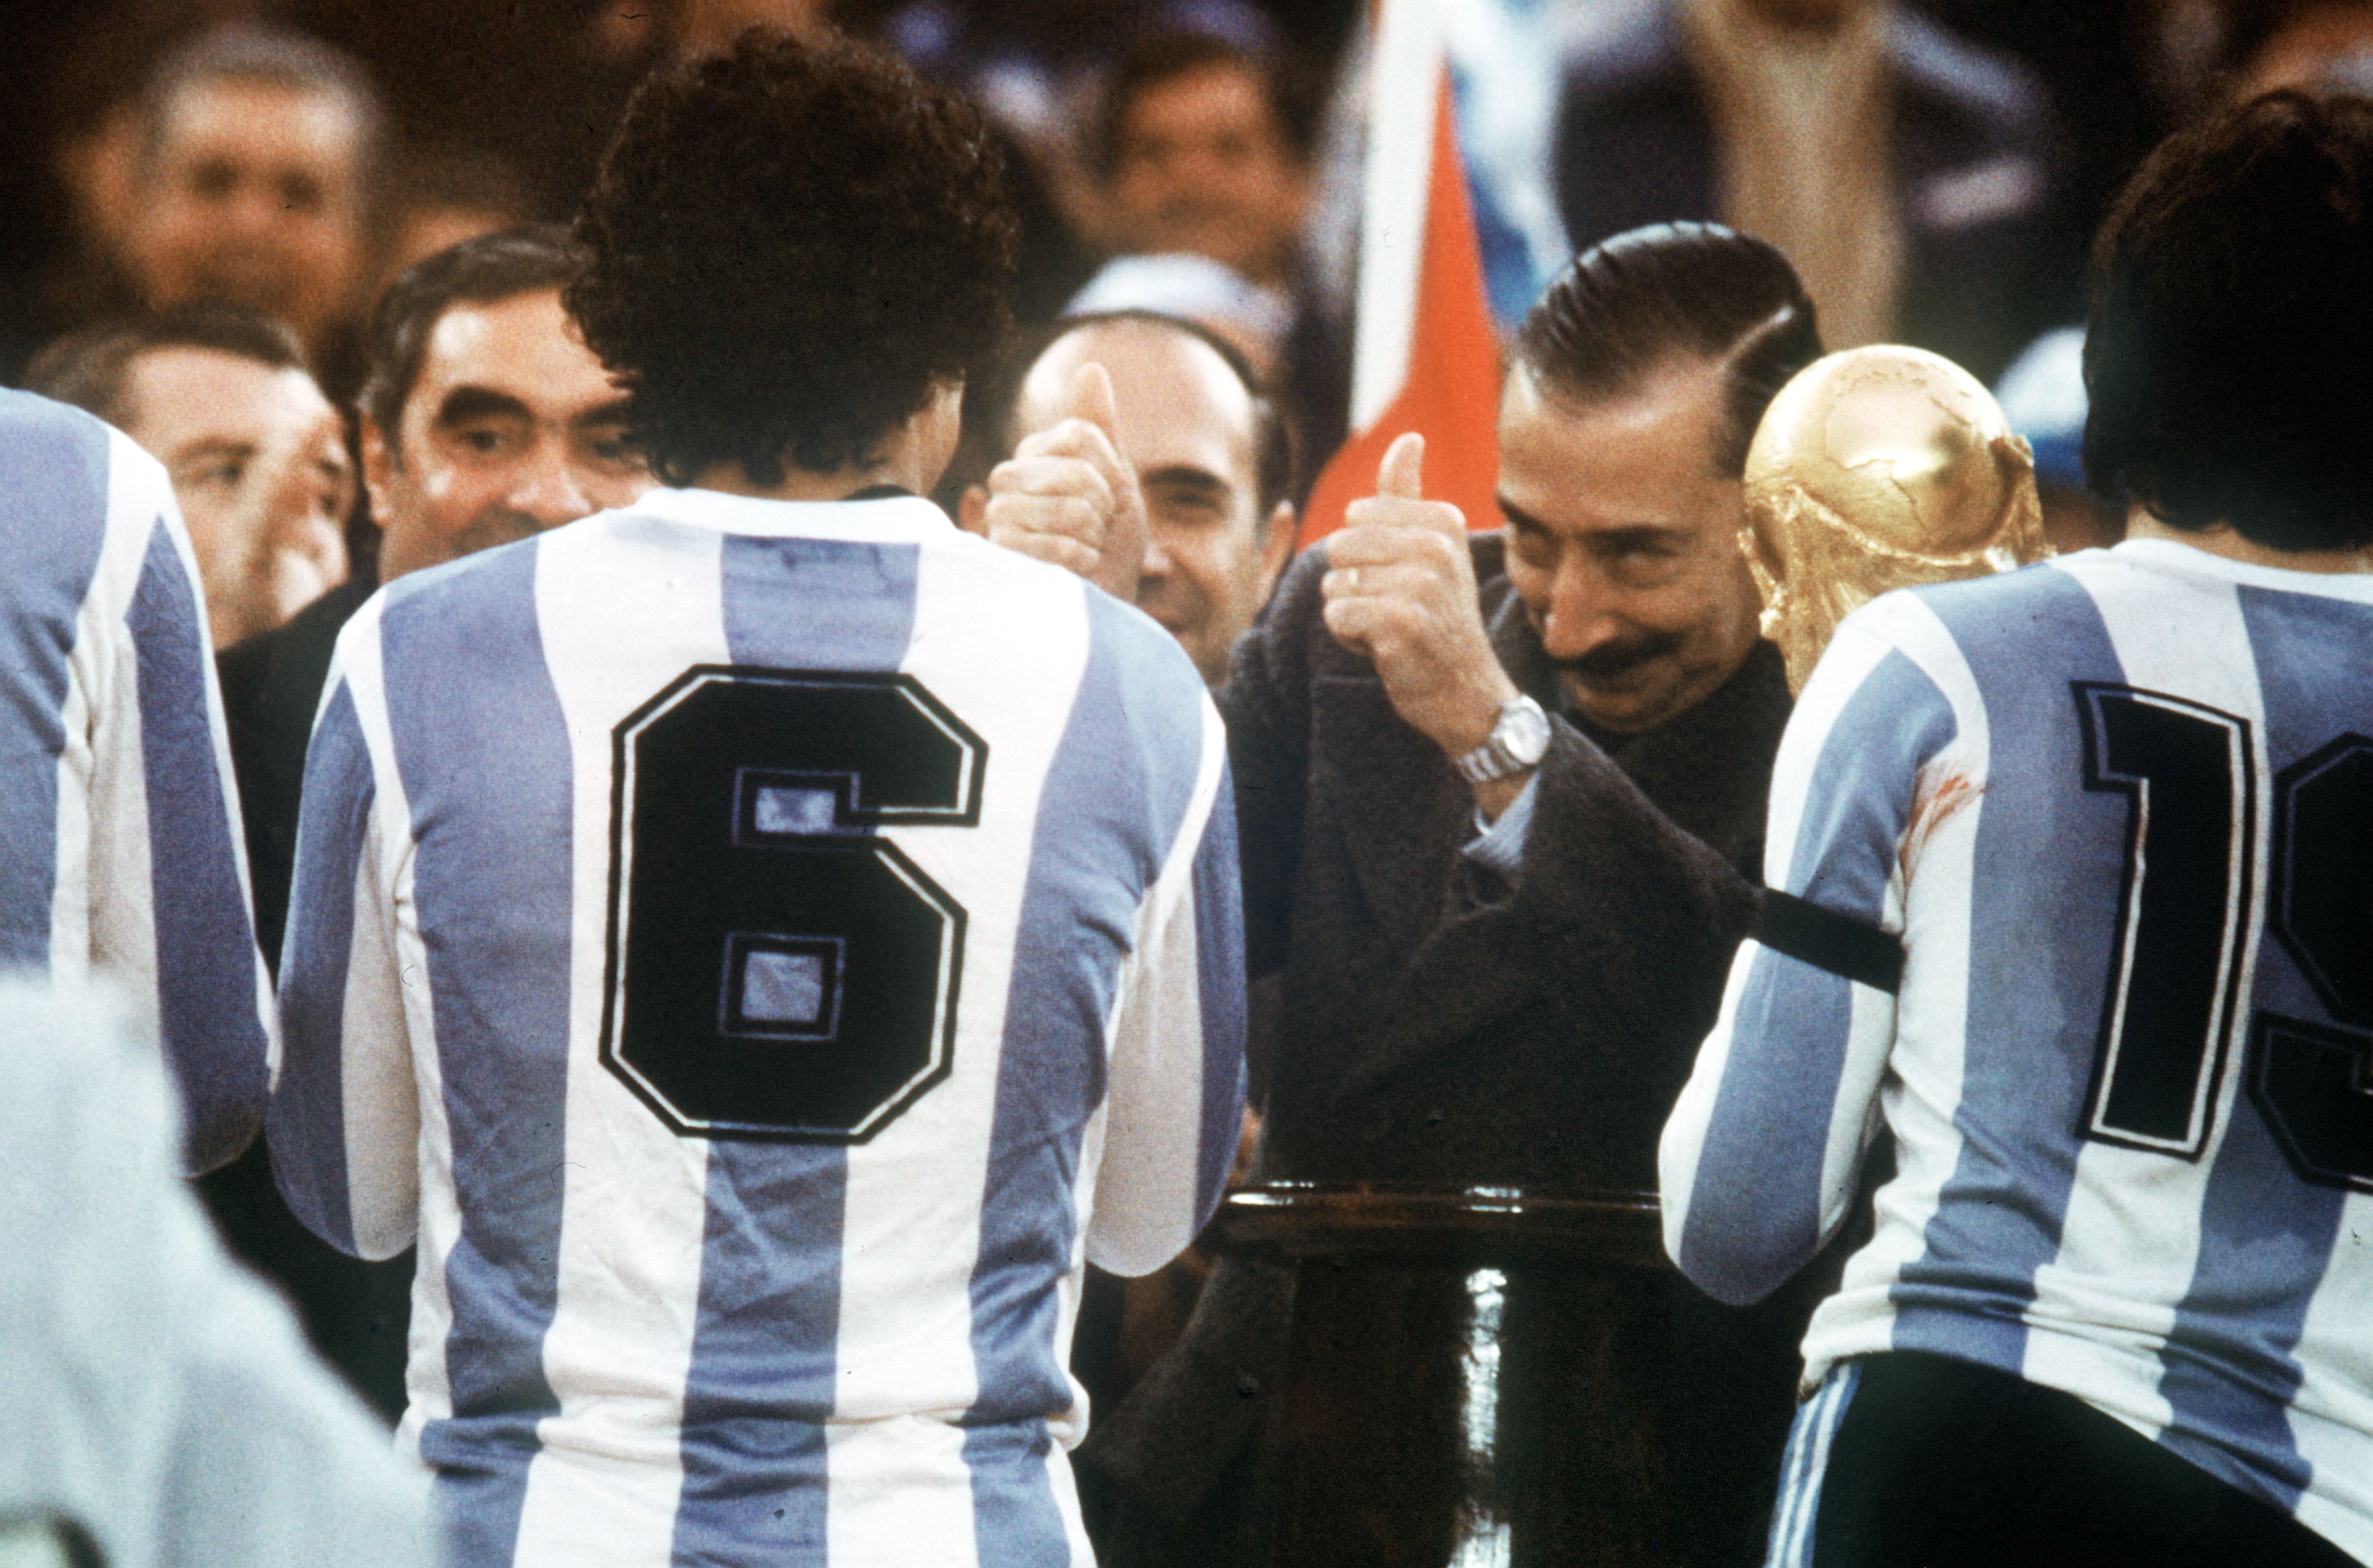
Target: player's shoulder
{"type": "Point", "coordinates": [2033, 600]}
{"type": "Point", "coordinates": [36, 432]}
{"type": "Point", "coordinates": [70, 472]}
{"type": "Point", "coordinates": [455, 596]}
{"type": "Point", "coordinates": [1151, 663]}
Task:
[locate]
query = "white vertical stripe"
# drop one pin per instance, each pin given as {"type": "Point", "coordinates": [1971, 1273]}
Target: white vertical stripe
{"type": "Point", "coordinates": [2332, 1411]}
{"type": "Point", "coordinates": [2130, 1237]}
{"type": "Point", "coordinates": [621, 610]}
{"type": "Point", "coordinates": [105, 899]}
{"type": "Point", "coordinates": [379, 1119]}
{"type": "Point", "coordinates": [1146, 1194]}
{"type": "Point", "coordinates": [911, 1228]}
{"type": "Point", "coordinates": [1932, 1007]}
{"type": "Point", "coordinates": [901, 1491]}
{"type": "Point", "coordinates": [1404, 73]}
{"type": "Point", "coordinates": [900, 1488]}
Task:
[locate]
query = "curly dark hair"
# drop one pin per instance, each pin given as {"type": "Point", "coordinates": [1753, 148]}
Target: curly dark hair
{"type": "Point", "coordinates": [2230, 354]}
{"type": "Point", "coordinates": [790, 243]}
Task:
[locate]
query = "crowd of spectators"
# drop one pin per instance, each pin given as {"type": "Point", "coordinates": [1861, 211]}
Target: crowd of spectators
{"type": "Point", "coordinates": [308, 255]}
{"type": "Point", "coordinates": [1932, 170]}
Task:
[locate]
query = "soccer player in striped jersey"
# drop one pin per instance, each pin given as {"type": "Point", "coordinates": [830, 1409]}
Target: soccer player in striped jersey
{"type": "Point", "coordinates": [2067, 889]}
{"type": "Point", "coordinates": [763, 941]}
{"type": "Point", "coordinates": [121, 855]}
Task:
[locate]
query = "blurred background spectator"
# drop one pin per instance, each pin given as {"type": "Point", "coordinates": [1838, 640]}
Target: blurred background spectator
{"type": "Point", "coordinates": [222, 396]}
{"type": "Point", "coordinates": [2253, 47]}
{"type": "Point", "coordinates": [255, 183]}
{"type": "Point", "coordinates": [439, 197]}
{"type": "Point", "coordinates": [1198, 151]}
{"type": "Point", "coordinates": [1906, 172]}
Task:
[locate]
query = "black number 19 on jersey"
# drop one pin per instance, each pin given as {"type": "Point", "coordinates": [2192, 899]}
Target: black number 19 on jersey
{"type": "Point", "coordinates": [776, 969]}
{"type": "Point", "coordinates": [2176, 967]}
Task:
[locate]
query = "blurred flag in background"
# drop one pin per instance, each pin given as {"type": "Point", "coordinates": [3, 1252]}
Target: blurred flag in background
{"type": "Point", "coordinates": [1425, 355]}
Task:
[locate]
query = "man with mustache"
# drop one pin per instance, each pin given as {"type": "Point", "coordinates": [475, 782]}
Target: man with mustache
{"type": "Point", "coordinates": [1500, 798]}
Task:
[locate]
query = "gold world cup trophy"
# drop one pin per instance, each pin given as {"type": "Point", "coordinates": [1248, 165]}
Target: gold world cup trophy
{"type": "Point", "coordinates": [1875, 469]}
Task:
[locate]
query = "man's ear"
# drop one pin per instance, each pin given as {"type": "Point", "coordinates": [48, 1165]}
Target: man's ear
{"type": "Point", "coordinates": [972, 510]}
{"type": "Point", "coordinates": [1277, 546]}
{"type": "Point", "coordinates": [379, 469]}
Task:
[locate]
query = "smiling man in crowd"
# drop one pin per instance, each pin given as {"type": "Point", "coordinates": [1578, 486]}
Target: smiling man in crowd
{"type": "Point", "coordinates": [485, 419]}
{"type": "Point", "coordinates": [222, 396]}
{"type": "Point", "coordinates": [1198, 447]}
{"type": "Point", "coordinates": [1501, 798]}
{"type": "Point", "coordinates": [256, 184]}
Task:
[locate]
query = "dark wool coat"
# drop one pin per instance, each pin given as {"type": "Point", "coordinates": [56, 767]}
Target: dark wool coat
{"type": "Point", "coordinates": [1436, 1027]}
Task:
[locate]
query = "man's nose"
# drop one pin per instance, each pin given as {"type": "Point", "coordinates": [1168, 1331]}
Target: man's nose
{"type": "Point", "coordinates": [1582, 613]}
{"type": "Point", "coordinates": [1157, 556]}
{"type": "Point", "coordinates": [548, 487]}
{"type": "Point", "coordinates": [252, 208]}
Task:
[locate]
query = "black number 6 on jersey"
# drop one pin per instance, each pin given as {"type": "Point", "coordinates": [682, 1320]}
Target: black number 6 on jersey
{"type": "Point", "coordinates": [777, 969]}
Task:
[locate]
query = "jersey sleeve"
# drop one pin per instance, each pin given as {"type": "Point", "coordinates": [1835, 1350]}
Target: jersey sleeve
{"type": "Point", "coordinates": [345, 1114]}
{"type": "Point", "coordinates": [1176, 1089]}
{"type": "Point", "coordinates": [1759, 1158]}
{"type": "Point", "coordinates": [170, 911]}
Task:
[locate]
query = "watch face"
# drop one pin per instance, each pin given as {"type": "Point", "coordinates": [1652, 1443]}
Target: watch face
{"type": "Point", "coordinates": [1526, 732]}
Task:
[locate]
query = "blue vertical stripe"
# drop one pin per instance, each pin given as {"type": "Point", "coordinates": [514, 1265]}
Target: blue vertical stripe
{"type": "Point", "coordinates": [1219, 990]}
{"type": "Point", "coordinates": [2031, 1025]}
{"type": "Point", "coordinates": [53, 477]}
{"type": "Point", "coordinates": [307, 1126]}
{"type": "Point", "coordinates": [1115, 796]}
{"type": "Point", "coordinates": [2266, 1236]}
{"type": "Point", "coordinates": [206, 961]}
{"type": "Point", "coordinates": [765, 1340]}
{"type": "Point", "coordinates": [1755, 1202]}
{"type": "Point", "coordinates": [483, 748]}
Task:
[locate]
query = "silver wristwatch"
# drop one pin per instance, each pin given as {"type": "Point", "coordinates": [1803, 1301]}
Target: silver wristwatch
{"type": "Point", "coordinates": [1516, 743]}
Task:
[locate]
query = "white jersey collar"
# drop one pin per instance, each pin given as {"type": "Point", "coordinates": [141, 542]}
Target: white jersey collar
{"type": "Point", "coordinates": [2172, 555]}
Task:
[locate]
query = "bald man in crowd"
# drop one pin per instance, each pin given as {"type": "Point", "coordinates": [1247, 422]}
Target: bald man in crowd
{"type": "Point", "coordinates": [1203, 454]}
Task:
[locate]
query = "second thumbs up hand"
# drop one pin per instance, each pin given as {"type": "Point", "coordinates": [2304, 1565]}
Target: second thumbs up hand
{"type": "Point", "coordinates": [1068, 497]}
{"type": "Point", "coordinates": [1400, 591]}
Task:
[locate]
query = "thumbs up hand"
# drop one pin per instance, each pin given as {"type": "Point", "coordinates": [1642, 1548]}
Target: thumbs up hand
{"type": "Point", "coordinates": [1068, 497]}
{"type": "Point", "coordinates": [1400, 590]}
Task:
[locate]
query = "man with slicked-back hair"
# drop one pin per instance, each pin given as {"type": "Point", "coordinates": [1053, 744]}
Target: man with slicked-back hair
{"type": "Point", "coordinates": [1501, 798]}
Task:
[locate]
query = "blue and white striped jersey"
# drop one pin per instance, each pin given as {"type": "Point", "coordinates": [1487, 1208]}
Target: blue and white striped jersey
{"type": "Point", "coordinates": [2119, 809]}
{"type": "Point", "coordinates": [766, 948]}
{"type": "Point", "coordinates": [119, 849]}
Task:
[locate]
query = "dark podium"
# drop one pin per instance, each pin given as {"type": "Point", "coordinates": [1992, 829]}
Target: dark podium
{"type": "Point", "coordinates": [1482, 1379]}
